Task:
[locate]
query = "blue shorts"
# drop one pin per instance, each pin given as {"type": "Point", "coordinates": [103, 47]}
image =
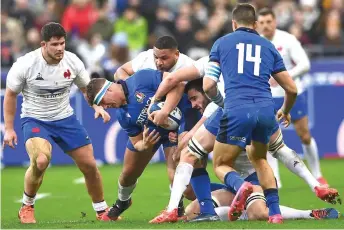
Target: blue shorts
{"type": "Point", "coordinates": [299, 109]}
{"type": "Point", "coordinates": [240, 126]}
{"type": "Point", "coordinates": [164, 141]}
{"type": "Point", "coordinates": [212, 124]}
{"type": "Point", "coordinates": [67, 133]}
{"type": "Point", "coordinates": [252, 178]}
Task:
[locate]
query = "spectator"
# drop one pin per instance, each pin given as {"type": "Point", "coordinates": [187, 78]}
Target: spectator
{"type": "Point", "coordinates": [201, 45]}
{"type": "Point", "coordinates": [135, 26]}
{"type": "Point", "coordinates": [23, 14]}
{"type": "Point", "coordinates": [78, 17]}
{"type": "Point", "coordinates": [118, 55]}
{"type": "Point", "coordinates": [184, 33]}
{"type": "Point", "coordinates": [103, 25]}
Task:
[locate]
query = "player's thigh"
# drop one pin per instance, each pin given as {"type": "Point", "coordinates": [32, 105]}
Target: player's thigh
{"type": "Point", "coordinates": [84, 158]}
{"type": "Point", "coordinates": [265, 126]}
{"type": "Point", "coordinates": [37, 139]}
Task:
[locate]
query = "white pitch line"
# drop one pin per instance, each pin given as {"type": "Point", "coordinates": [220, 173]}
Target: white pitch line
{"type": "Point", "coordinates": [80, 180]}
{"type": "Point", "coordinates": [38, 197]}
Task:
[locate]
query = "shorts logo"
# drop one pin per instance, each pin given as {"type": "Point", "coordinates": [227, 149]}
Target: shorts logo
{"type": "Point", "coordinates": [35, 130]}
{"type": "Point", "coordinates": [139, 97]}
{"type": "Point", "coordinates": [234, 138]}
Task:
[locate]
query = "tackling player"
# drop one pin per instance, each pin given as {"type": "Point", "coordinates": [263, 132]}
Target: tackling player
{"type": "Point", "coordinates": [297, 64]}
{"type": "Point", "coordinates": [44, 77]}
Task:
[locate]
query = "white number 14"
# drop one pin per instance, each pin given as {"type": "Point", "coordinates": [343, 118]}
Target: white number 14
{"type": "Point", "coordinates": [256, 59]}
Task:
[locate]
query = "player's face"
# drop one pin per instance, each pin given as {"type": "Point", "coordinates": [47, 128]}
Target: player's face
{"type": "Point", "coordinates": [55, 48]}
{"type": "Point", "coordinates": [267, 25]}
{"type": "Point", "coordinates": [198, 100]}
{"type": "Point", "coordinates": [165, 59]}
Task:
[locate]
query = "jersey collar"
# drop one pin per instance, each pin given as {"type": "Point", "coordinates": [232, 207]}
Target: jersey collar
{"type": "Point", "coordinates": [245, 29]}
{"type": "Point", "coordinates": [125, 90]}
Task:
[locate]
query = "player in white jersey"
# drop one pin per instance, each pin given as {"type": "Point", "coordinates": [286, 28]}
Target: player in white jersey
{"type": "Point", "coordinates": [297, 64]}
{"type": "Point", "coordinates": [202, 143]}
{"type": "Point", "coordinates": [44, 77]}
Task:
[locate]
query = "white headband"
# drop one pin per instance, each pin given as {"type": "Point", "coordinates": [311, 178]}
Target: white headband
{"type": "Point", "coordinates": [101, 93]}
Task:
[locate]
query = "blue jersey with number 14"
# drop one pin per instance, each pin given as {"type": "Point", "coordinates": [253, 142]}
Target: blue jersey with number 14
{"type": "Point", "coordinates": [247, 61]}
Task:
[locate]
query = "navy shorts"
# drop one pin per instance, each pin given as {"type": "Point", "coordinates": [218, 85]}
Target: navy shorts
{"type": "Point", "coordinates": [67, 133]}
{"type": "Point", "coordinates": [299, 109]}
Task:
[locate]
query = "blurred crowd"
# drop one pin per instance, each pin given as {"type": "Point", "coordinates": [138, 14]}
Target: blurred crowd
{"type": "Point", "coordinates": [107, 33]}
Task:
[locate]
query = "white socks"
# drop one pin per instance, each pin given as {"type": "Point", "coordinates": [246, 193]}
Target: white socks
{"type": "Point", "coordinates": [124, 193]}
{"type": "Point", "coordinates": [100, 206]}
{"type": "Point", "coordinates": [291, 213]}
{"type": "Point", "coordinates": [287, 213]}
{"type": "Point", "coordinates": [273, 162]}
{"type": "Point", "coordinates": [293, 162]}
{"type": "Point", "coordinates": [181, 180]}
{"type": "Point", "coordinates": [311, 155]}
{"type": "Point", "coordinates": [28, 200]}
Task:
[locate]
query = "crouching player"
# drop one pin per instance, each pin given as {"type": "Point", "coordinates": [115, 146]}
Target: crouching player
{"type": "Point", "coordinates": [132, 98]}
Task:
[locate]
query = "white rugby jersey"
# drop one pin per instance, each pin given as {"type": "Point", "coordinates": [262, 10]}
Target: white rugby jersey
{"type": "Point", "coordinates": [294, 57]}
{"type": "Point", "coordinates": [145, 60]}
{"type": "Point", "coordinates": [46, 88]}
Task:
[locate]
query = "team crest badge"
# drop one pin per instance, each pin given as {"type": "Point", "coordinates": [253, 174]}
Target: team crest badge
{"type": "Point", "coordinates": [139, 96]}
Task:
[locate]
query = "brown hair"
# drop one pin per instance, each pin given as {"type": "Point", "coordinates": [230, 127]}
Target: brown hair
{"type": "Point", "coordinates": [93, 88]}
{"type": "Point", "coordinates": [245, 14]}
{"type": "Point", "coordinates": [266, 11]}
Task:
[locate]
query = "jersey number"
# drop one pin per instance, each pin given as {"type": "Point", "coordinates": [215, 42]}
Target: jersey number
{"type": "Point", "coordinates": [256, 59]}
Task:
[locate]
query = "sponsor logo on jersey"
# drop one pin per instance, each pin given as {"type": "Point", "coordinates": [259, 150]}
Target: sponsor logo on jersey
{"type": "Point", "coordinates": [39, 77]}
{"type": "Point", "coordinates": [139, 97]}
{"type": "Point", "coordinates": [67, 74]}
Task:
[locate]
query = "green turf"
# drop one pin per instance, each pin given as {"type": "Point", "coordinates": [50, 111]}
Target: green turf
{"type": "Point", "coordinates": [63, 208]}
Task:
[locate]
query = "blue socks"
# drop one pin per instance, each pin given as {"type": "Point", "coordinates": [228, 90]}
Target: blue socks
{"type": "Point", "coordinates": [200, 182]}
{"type": "Point", "coordinates": [233, 181]}
{"type": "Point", "coordinates": [272, 201]}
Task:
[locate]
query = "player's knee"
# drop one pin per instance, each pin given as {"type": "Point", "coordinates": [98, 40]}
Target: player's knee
{"type": "Point", "coordinates": [276, 144]}
{"type": "Point", "coordinates": [189, 193]}
{"type": "Point", "coordinates": [89, 168]}
{"type": "Point", "coordinates": [42, 162]}
{"type": "Point", "coordinates": [256, 207]}
{"type": "Point", "coordinates": [195, 150]}
{"type": "Point", "coordinates": [258, 214]}
{"type": "Point", "coordinates": [306, 138]}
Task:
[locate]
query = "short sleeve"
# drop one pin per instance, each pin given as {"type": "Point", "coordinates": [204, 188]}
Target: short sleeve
{"type": "Point", "coordinates": [82, 76]}
{"type": "Point", "coordinates": [201, 64]}
{"type": "Point", "coordinates": [139, 60]}
{"type": "Point", "coordinates": [278, 62]}
{"type": "Point", "coordinates": [132, 130]}
{"type": "Point", "coordinates": [15, 80]}
{"type": "Point", "coordinates": [214, 55]}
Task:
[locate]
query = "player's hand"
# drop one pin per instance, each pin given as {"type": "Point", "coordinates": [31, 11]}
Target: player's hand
{"type": "Point", "coordinates": [273, 82]}
{"type": "Point", "coordinates": [159, 118]}
{"type": "Point", "coordinates": [150, 139]}
{"type": "Point", "coordinates": [100, 111]}
{"type": "Point", "coordinates": [173, 137]}
{"type": "Point", "coordinates": [10, 138]}
{"type": "Point", "coordinates": [285, 117]}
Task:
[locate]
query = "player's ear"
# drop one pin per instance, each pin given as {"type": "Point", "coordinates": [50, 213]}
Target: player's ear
{"type": "Point", "coordinates": [234, 25]}
{"type": "Point", "coordinates": [255, 25]}
{"type": "Point", "coordinates": [43, 43]}
{"type": "Point", "coordinates": [177, 53]}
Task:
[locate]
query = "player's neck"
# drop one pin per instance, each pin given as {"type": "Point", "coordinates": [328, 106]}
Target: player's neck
{"type": "Point", "coordinates": [48, 59]}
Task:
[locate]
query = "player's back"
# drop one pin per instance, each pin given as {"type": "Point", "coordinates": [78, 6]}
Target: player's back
{"type": "Point", "coordinates": [246, 61]}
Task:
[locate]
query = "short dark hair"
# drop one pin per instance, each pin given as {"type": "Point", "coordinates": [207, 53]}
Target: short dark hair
{"type": "Point", "coordinates": [166, 42]}
{"type": "Point", "coordinates": [93, 88]}
{"type": "Point", "coordinates": [52, 29]}
{"type": "Point", "coordinates": [194, 84]}
{"type": "Point", "coordinates": [245, 14]}
{"type": "Point", "coordinates": [266, 11]}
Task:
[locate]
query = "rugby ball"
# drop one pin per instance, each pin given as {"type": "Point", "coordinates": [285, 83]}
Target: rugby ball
{"type": "Point", "coordinates": [173, 118]}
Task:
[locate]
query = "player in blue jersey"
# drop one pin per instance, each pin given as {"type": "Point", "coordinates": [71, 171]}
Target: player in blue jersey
{"type": "Point", "coordinates": [246, 62]}
{"type": "Point", "coordinates": [132, 98]}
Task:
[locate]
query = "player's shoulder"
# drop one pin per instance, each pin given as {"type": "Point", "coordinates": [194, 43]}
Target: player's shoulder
{"type": "Point", "coordinates": [69, 56]}
{"type": "Point", "coordinates": [29, 59]}
{"type": "Point", "coordinates": [285, 37]}
{"type": "Point", "coordinates": [186, 59]}
{"type": "Point", "coordinates": [73, 61]}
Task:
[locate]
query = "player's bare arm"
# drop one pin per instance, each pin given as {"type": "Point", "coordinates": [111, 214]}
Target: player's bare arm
{"type": "Point", "coordinates": [10, 105]}
{"type": "Point", "coordinates": [124, 71]}
{"type": "Point", "coordinates": [98, 110]}
{"type": "Point", "coordinates": [184, 74]}
{"type": "Point", "coordinates": [172, 99]}
{"type": "Point", "coordinates": [286, 82]}
{"type": "Point", "coordinates": [145, 140]}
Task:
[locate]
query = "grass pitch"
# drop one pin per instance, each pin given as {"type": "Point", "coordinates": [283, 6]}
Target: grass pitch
{"type": "Point", "coordinates": [66, 204]}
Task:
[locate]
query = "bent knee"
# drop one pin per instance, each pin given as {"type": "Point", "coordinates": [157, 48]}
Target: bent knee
{"type": "Point", "coordinates": [263, 215]}
{"type": "Point", "coordinates": [39, 150]}
{"type": "Point", "coordinates": [42, 162]}
{"type": "Point", "coordinates": [306, 138]}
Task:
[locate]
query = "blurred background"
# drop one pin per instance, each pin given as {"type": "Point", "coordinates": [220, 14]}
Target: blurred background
{"type": "Point", "coordinates": [107, 33]}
